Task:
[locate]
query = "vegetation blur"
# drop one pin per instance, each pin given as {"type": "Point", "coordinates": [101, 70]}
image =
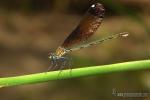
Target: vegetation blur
{"type": "Point", "coordinates": [30, 29]}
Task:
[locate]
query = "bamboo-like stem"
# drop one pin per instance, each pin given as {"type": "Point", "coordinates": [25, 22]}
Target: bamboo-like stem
{"type": "Point", "coordinates": [74, 73]}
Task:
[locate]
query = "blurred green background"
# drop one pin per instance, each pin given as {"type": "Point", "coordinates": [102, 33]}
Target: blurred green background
{"type": "Point", "coordinates": [30, 29]}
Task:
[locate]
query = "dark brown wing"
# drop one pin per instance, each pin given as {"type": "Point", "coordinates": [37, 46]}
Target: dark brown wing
{"type": "Point", "coordinates": [87, 27]}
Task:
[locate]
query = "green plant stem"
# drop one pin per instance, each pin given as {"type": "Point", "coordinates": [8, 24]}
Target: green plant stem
{"type": "Point", "coordinates": [65, 74]}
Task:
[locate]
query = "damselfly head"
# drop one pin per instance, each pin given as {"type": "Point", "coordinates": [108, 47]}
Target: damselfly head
{"type": "Point", "coordinates": [52, 56]}
{"type": "Point", "coordinates": [57, 62]}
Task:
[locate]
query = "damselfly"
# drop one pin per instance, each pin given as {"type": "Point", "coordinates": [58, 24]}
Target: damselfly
{"type": "Point", "coordinates": [86, 28]}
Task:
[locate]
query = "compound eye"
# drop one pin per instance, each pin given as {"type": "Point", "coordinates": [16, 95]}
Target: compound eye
{"type": "Point", "coordinates": [50, 57]}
